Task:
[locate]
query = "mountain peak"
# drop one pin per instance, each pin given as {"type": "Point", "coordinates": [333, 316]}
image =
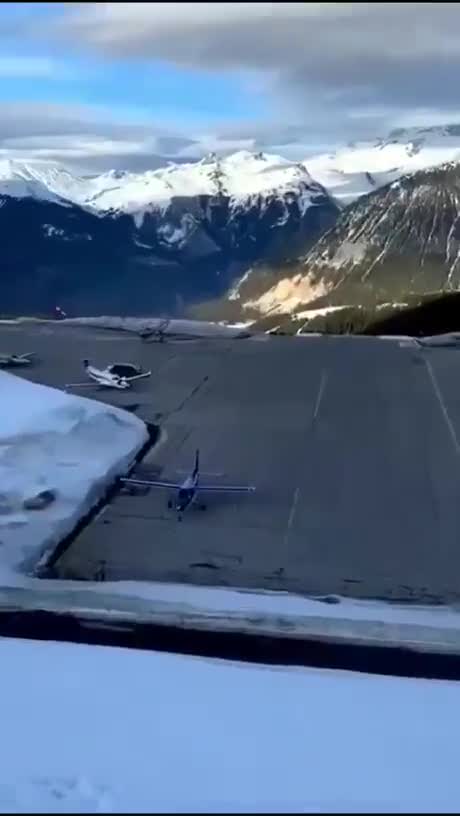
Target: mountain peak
{"type": "Point", "coordinates": [238, 176]}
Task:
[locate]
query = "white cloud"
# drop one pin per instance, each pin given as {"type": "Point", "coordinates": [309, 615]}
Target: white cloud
{"type": "Point", "coordinates": [332, 72]}
{"type": "Point", "coordinates": [83, 137]}
{"type": "Point", "coordinates": [348, 67]}
{"type": "Point", "coordinates": [91, 139]}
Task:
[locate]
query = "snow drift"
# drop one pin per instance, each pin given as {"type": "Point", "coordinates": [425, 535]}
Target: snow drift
{"type": "Point", "coordinates": [51, 441]}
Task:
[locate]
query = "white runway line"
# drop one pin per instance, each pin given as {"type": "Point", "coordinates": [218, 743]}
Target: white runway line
{"type": "Point", "coordinates": [321, 388]}
{"type": "Point", "coordinates": [293, 508]}
{"type": "Point", "coordinates": [295, 500]}
{"type": "Point", "coordinates": [444, 410]}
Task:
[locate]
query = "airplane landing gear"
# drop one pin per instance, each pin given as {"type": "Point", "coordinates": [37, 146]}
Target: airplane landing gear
{"type": "Point", "coordinates": [202, 506]}
{"type": "Point", "coordinates": [170, 504]}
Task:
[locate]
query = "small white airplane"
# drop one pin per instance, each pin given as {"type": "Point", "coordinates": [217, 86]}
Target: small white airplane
{"type": "Point", "coordinates": [188, 490]}
{"type": "Point", "coordinates": [117, 375]}
{"type": "Point", "coordinates": [15, 359]}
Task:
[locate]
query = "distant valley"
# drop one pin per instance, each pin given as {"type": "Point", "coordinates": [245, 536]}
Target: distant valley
{"type": "Point", "coordinates": [247, 237]}
{"type": "Point", "coordinates": [150, 243]}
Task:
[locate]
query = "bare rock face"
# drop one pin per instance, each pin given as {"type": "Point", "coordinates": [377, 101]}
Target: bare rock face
{"type": "Point", "coordinates": [40, 500]}
{"type": "Point", "coordinates": [401, 240]}
{"type": "Point", "coordinates": [404, 238]}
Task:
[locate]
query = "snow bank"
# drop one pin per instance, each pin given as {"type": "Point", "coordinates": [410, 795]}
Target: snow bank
{"type": "Point", "coordinates": [429, 628]}
{"type": "Point", "coordinates": [188, 328]}
{"type": "Point", "coordinates": [50, 440]}
{"type": "Point", "coordinates": [111, 730]}
{"type": "Point", "coordinates": [451, 339]}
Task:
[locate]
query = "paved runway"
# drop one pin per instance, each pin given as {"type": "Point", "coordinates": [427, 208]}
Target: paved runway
{"type": "Point", "coordinates": [353, 444]}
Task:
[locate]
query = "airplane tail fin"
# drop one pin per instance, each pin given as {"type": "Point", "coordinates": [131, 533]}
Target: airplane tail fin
{"type": "Point", "coordinates": [197, 463]}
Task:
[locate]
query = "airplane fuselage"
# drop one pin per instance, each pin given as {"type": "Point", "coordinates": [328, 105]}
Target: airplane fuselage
{"type": "Point", "coordinates": [104, 378]}
{"type": "Point", "coordinates": [187, 494]}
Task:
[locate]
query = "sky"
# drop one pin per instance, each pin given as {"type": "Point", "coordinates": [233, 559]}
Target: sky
{"type": "Point", "coordinates": [134, 85]}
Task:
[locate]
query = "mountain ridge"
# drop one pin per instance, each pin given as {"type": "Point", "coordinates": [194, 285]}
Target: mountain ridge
{"type": "Point", "coordinates": [186, 249]}
{"type": "Point", "coordinates": [235, 226]}
{"type": "Point", "coordinates": [402, 239]}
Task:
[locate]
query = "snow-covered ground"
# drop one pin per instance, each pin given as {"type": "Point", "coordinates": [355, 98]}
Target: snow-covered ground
{"type": "Point", "coordinates": [95, 729]}
{"type": "Point", "coordinates": [50, 440]}
{"type": "Point", "coordinates": [309, 314]}
{"type": "Point", "coordinates": [449, 339]}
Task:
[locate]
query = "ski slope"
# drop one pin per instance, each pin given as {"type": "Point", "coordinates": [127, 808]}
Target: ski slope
{"type": "Point", "coordinates": [50, 440]}
{"type": "Point", "coordinates": [94, 729]}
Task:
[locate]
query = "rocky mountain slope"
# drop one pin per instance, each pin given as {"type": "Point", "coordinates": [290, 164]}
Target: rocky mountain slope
{"type": "Point", "coordinates": [402, 239]}
{"type": "Point", "coordinates": [180, 234]}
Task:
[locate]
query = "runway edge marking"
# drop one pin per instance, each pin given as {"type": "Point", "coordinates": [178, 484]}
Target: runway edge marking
{"type": "Point", "coordinates": [443, 407]}
{"type": "Point", "coordinates": [319, 397]}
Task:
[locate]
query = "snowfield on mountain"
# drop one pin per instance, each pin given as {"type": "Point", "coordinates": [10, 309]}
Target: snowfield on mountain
{"type": "Point", "coordinates": [362, 167]}
{"type": "Point", "coordinates": [347, 173]}
{"type": "Point", "coordinates": [238, 177]}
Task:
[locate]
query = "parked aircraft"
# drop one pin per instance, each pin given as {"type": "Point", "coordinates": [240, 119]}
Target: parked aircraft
{"type": "Point", "coordinates": [116, 375]}
{"type": "Point", "coordinates": [186, 492]}
{"type": "Point", "coordinates": [12, 360]}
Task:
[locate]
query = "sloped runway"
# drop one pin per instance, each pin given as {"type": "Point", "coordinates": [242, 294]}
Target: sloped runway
{"type": "Point", "coordinates": [353, 444]}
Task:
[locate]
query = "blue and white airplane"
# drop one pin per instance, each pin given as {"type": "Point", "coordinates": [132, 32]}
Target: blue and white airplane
{"type": "Point", "coordinates": [188, 490]}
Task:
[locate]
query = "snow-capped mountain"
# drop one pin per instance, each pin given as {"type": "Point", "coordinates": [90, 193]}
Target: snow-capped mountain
{"type": "Point", "coordinates": [188, 232]}
{"type": "Point", "coordinates": [363, 167]}
{"type": "Point", "coordinates": [185, 232]}
{"type": "Point", "coordinates": [239, 177]}
{"type": "Point", "coordinates": [403, 239]}
{"type": "Point", "coordinates": [18, 180]}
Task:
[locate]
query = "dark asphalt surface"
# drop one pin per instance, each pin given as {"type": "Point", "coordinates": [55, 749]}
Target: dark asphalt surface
{"type": "Point", "coordinates": [353, 444]}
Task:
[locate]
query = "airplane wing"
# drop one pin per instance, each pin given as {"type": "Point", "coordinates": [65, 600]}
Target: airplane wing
{"type": "Point", "coordinates": [137, 376]}
{"type": "Point", "coordinates": [15, 359]}
{"type": "Point", "coordinates": [226, 488]}
{"type": "Point", "coordinates": [151, 483]}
